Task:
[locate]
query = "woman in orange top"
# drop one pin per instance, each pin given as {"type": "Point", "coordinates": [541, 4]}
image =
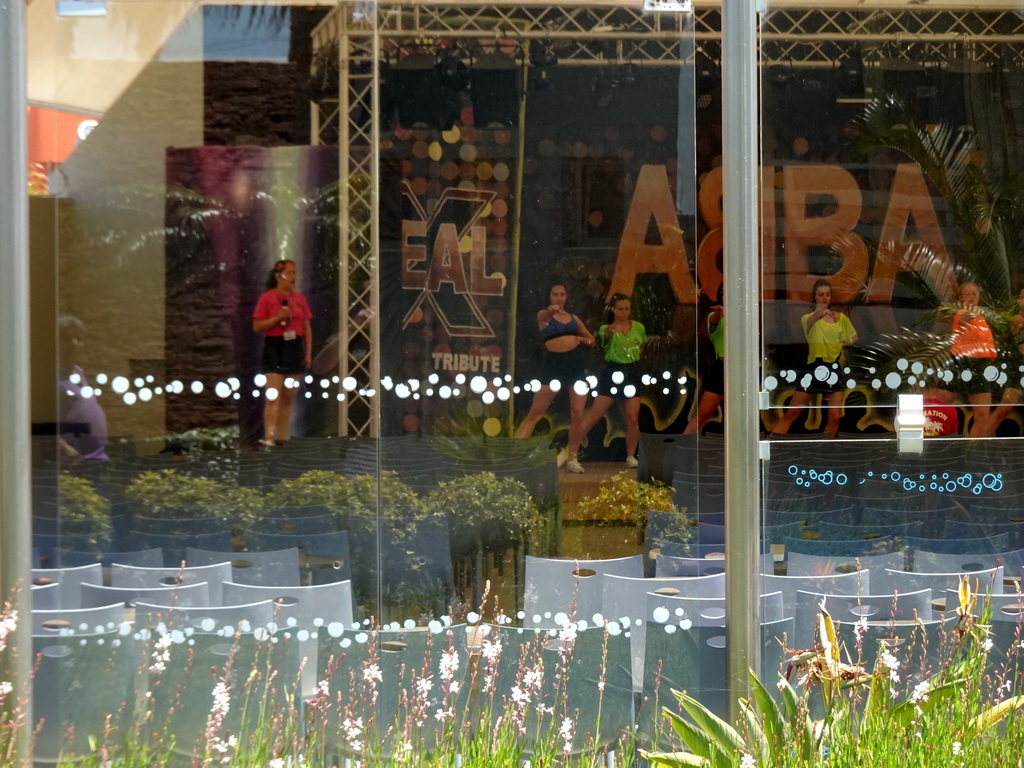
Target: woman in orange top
{"type": "Point", "coordinates": [974, 353]}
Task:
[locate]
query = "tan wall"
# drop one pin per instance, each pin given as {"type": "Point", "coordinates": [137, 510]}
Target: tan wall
{"type": "Point", "coordinates": [110, 254]}
{"type": "Point", "coordinates": [87, 63]}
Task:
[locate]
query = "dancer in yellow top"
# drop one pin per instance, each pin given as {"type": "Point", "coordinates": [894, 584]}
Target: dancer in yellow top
{"type": "Point", "coordinates": [827, 331]}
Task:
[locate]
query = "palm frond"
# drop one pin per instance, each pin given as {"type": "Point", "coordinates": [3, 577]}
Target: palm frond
{"type": "Point", "coordinates": [981, 204]}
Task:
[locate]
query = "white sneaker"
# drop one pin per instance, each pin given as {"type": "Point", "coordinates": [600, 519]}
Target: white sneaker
{"type": "Point", "coordinates": [561, 458]}
{"type": "Point", "coordinates": [631, 462]}
{"type": "Point", "coordinates": [574, 466]}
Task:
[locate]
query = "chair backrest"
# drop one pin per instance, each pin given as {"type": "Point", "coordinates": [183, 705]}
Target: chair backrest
{"type": "Point", "coordinates": [71, 580]}
{"type": "Point", "coordinates": [800, 563]}
{"type": "Point", "coordinates": [205, 619]}
{"type": "Point", "coordinates": [838, 584]}
{"type": "Point", "coordinates": [624, 600]}
{"type": "Point", "coordinates": [101, 620]}
{"type": "Point", "coordinates": [305, 607]}
{"type": "Point", "coordinates": [844, 532]}
{"type": "Point", "coordinates": [175, 545]}
{"type": "Point", "coordinates": [852, 608]}
{"type": "Point", "coordinates": [302, 610]}
{"type": "Point", "coordinates": [656, 454]}
{"type": "Point", "coordinates": [179, 526]}
{"type": "Point", "coordinates": [667, 566]}
{"type": "Point", "coordinates": [790, 505]}
{"type": "Point", "coordinates": [45, 595]}
{"type": "Point", "coordinates": [270, 568]}
{"type": "Point", "coordinates": [95, 595]}
{"type": "Point", "coordinates": [981, 513]}
{"type": "Point", "coordinates": [693, 659]}
{"type": "Point", "coordinates": [79, 677]}
{"type": "Point", "coordinates": [704, 492]}
{"type": "Point", "coordinates": [965, 545]}
{"type": "Point", "coordinates": [151, 558]}
{"type": "Point", "coordinates": [1014, 531]}
{"type": "Point", "coordinates": [322, 557]}
{"type": "Point", "coordinates": [709, 533]}
{"type": "Point", "coordinates": [987, 579]}
{"type": "Point", "coordinates": [923, 561]}
{"type": "Point", "coordinates": [407, 561]}
{"type": "Point", "coordinates": [559, 589]}
{"type": "Point", "coordinates": [135, 576]}
{"type": "Point", "coordinates": [703, 611]}
{"type": "Point", "coordinates": [287, 524]}
{"type": "Point", "coordinates": [844, 548]}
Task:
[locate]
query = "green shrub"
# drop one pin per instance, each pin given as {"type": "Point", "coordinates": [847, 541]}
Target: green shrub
{"type": "Point", "coordinates": [357, 495]}
{"type": "Point", "coordinates": [167, 493]}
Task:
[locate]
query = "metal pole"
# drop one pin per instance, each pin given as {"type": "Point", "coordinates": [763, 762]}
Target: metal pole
{"type": "Point", "coordinates": [15, 496]}
{"type": "Point", "coordinates": [741, 266]}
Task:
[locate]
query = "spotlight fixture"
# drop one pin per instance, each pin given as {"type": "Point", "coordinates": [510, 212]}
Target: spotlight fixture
{"type": "Point", "coordinates": [850, 72]}
{"type": "Point", "coordinates": [452, 82]}
{"type": "Point", "coordinates": [626, 75]}
{"type": "Point", "coordinates": [781, 75]}
{"type": "Point", "coordinates": [542, 63]}
{"type": "Point", "coordinates": [706, 74]}
{"type": "Point", "coordinates": [494, 78]}
{"type": "Point", "coordinates": [603, 90]}
{"type": "Point", "coordinates": [414, 87]}
{"type": "Point", "coordinates": [543, 54]}
{"type": "Point", "coordinates": [452, 70]}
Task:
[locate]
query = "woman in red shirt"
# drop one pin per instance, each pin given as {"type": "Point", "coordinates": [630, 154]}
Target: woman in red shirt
{"type": "Point", "coordinates": [282, 316]}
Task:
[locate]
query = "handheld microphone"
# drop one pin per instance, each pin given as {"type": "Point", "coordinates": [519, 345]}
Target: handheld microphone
{"type": "Point", "coordinates": [284, 303]}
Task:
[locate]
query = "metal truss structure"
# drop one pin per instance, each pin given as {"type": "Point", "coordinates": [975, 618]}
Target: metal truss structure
{"type": "Point", "coordinates": [349, 119]}
{"type": "Point", "coordinates": [588, 35]}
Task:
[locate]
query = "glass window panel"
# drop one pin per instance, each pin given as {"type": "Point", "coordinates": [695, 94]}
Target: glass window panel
{"type": "Point", "coordinates": [883, 172]}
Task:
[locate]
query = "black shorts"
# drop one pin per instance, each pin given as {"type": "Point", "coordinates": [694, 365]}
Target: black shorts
{"type": "Point", "coordinates": [821, 378]}
{"type": "Point", "coordinates": [282, 356]}
{"type": "Point", "coordinates": [971, 376]}
{"type": "Point", "coordinates": [1014, 371]}
{"type": "Point", "coordinates": [564, 367]}
{"type": "Point", "coordinates": [619, 380]}
{"type": "Point", "coordinates": [713, 380]}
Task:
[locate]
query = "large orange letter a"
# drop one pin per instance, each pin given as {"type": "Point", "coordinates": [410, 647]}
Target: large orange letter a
{"type": "Point", "coordinates": [652, 198]}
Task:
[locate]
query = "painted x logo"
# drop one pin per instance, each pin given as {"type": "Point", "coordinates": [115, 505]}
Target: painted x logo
{"type": "Point", "coordinates": [432, 258]}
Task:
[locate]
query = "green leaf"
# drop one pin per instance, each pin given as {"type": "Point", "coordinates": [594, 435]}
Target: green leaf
{"type": "Point", "coordinates": [878, 696]}
{"type": "Point", "coordinates": [699, 742]}
{"type": "Point", "coordinates": [810, 740]}
{"type": "Point", "coordinates": [719, 730]}
{"type": "Point", "coordinates": [676, 759]}
{"type": "Point", "coordinates": [757, 738]}
{"type": "Point", "coordinates": [774, 727]}
{"type": "Point", "coordinates": [791, 702]}
{"type": "Point", "coordinates": [996, 714]}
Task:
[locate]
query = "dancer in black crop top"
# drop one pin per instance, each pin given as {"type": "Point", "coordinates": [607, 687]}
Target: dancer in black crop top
{"type": "Point", "coordinates": [563, 334]}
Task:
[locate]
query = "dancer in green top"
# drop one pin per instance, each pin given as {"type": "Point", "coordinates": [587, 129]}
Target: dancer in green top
{"type": "Point", "coordinates": [623, 340]}
{"type": "Point", "coordinates": [713, 382]}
